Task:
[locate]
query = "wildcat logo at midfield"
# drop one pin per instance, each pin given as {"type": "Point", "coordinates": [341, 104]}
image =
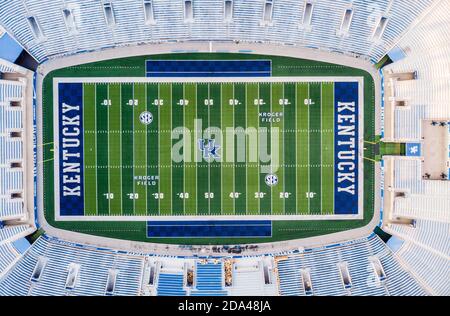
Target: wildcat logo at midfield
{"type": "Point", "coordinates": [209, 148]}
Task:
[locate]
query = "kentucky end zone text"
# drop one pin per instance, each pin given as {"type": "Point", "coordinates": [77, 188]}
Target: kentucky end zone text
{"type": "Point", "coordinates": [137, 148]}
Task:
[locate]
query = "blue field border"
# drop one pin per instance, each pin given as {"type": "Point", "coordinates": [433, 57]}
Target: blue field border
{"type": "Point", "coordinates": [208, 68]}
{"type": "Point", "coordinates": [209, 229]}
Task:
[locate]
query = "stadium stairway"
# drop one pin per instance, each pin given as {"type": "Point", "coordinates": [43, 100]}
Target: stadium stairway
{"type": "Point", "coordinates": [209, 279]}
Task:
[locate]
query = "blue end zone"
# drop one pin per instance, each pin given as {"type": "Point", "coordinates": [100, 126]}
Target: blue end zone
{"type": "Point", "coordinates": [208, 68]}
{"type": "Point", "coordinates": [198, 229]}
{"type": "Point", "coordinates": [346, 148]}
{"type": "Point", "coordinates": [70, 119]}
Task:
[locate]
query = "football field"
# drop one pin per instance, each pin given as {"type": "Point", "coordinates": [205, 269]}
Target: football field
{"type": "Point", "coordinates": [139, 148]}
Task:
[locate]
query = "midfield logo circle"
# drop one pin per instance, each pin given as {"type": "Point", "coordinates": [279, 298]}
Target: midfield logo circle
{"type": "Point", "coordinates": [146, 117]}
{"type": "Point", "coordinates": [271, 180]}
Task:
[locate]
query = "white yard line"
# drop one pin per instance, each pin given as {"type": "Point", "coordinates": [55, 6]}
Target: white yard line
{"type": "Point", "coordinates": [121, 150]}
{"type": "Point", "coordinates": [259, 163]}
{"type": "Point", "coordinates": [296, 176]}
{"type": "Point", "coordinates": [223, 146]}
{"type": "Point", "coordinates": [159, 150]}
{"type": "Point", "coordinates": [283, 149]}
{"type": "Point", "coordinates": [321, 150]}
{"type": "Point", "coordinates": [271, 149]}
{"type": "Point", "coordinates": [234, 155]}
{"type": "Point", "coordinates": [247, 149]}
{"type": "Point", "coordinates": [184, 162]}
{"type": "Point", "coordinates": [109, 151]}
{"type": "Point", "coordinates": [95, 149]}
{"type": "Point", "coordinates": [309, 153]}
{"type": "Point", "coordinates": [146, 151]}
{"type": "Point", "coordinates": [195, 105]}
{"type": "Point", "coordinates": [134, 154]}
{"type": "Point", "coordinates": [171, 164]}
{"type": "Point", "coordinates": [209, 163]}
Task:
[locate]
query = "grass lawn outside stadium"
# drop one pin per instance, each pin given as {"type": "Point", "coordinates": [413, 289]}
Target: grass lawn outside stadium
{"type": "Point", "coordinates": [128, 161]}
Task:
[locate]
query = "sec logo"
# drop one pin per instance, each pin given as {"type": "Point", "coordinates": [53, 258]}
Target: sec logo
{"type": "Point", "coordinates": [271, 180]}
{"type": "Point", "coordinates": [146, 117]}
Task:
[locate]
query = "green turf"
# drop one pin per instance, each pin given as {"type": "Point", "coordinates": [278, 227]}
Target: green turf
{"type": "Point", "coordinates": [153, 153]}
{"type": "Point", "coordinates": [277, 207]}
{"type": "Point", "coordinates": [252, 175]}
{"type": "Point", "coordinates": [203, 185]}
{"type": "Point", "coordinates": [290, 158]}
{"type": "Point", "coordinates": [115, 149]}
{"type": "Point", "coordinates": [90, 153]}
{"type": "Point", "coordinates": [100, 119]}
{"type": "Point", "coordinates": [302, 118]}
{"type": "Point", "coordinates": [122, 150]}
{"type": "Point", "coordinates": [140, 150]}
{"type": "Point", "coordinates": [215, 168]}
{"type": "Point", "coordinates": [165, 160]}
{"type": "Point", "coordinates": [228, 176]}
{"type": "Point", "coordinates": [327, 147]}
{"type": "Point", "coordinates": [190, 165]}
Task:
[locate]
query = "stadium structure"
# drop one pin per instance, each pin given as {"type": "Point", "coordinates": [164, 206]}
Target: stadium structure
{"type": "Point", "coordinates": [224, 147]}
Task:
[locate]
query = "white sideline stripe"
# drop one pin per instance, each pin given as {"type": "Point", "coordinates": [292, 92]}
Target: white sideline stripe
{"type": "Point", "coordinates": [211, 217]}
{"type": "Point", "coordinates": [251, 80]}
{"type": "Point", "coordinates": [84, 144]}
{"type": "Point", "coordinates": [334, 171]}
{"type": "Point", "coordinates": [170, 80]}
{"type": "Point", "coordinates": [209, 165]}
